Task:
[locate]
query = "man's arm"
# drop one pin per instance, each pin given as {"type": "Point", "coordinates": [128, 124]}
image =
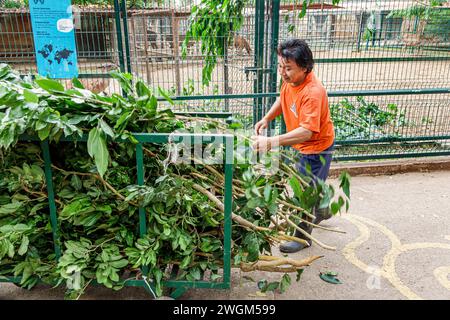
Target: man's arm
{"type": "Point", "coordinates": [274, 112]}
{"type": "Point", "coordinates": [295, 136]}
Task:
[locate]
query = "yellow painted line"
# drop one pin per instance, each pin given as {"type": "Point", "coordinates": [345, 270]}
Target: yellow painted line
{"type": "Point", "coordinates": [425, 245]}
{"type": "Point", "coordinates": [388, 269]}
{"type": "Point", "coordinates": [442, 274]}
{"type": "Point", "coordinates": [349, 250]}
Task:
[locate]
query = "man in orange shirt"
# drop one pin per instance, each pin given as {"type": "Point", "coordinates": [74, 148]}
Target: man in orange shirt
{"type": "Point", "coordinates": [303, 102]}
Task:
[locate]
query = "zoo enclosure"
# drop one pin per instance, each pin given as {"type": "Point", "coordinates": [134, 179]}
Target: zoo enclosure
{"type": "Point", "coordinates": [388, 76]}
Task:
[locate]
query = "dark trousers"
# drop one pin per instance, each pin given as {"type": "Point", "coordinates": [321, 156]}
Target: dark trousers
{"type": "Point", "coordinates": [315, 166]}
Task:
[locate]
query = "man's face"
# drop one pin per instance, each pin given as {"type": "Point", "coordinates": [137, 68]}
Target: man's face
{"type": "Point", "coordinates": [290, 71]}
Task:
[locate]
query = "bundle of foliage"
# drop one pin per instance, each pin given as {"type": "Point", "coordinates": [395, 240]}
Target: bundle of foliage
{"type": "Point", "coordinates": [97, 197]}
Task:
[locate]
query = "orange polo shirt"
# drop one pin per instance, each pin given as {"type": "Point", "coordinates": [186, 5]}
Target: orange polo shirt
{"type": "Point", "coordinates": [306, 105]}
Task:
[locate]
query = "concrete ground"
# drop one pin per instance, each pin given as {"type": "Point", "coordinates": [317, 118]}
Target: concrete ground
{"type": "Point", "coordinates": [396, 246]}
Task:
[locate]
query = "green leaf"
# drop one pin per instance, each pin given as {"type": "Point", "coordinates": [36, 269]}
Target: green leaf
{"type": "Point", "coordinates": [23, 246]}
{"type": "Point", "coordinates": [215, 277]}
{"type": "Point", "coordinates": [235, 126]}
{"type": "Point", "coordinates": [262, 284]}
{"type": "Point", "coordinates": [44, 133]}
{"type": "Point", "coordinates": [124, 80]}
{"type": "Point", "coordinates": [152, 105]}
{"type": "Point", "coordinates": [157, 274]}
{"type": "Point", "coordinates": [21, 227]}
{"type": "Point", "coordinates": [77, 207]}
{"type": "Point", "coordinates": [299, 274]}
{"type": "Point", "coordinates": [49, 85]}
{"type": "Point", "coordinates": [92, 140]}
{"type": "Point", "coordinates": [165, 95]}
{"type": "Point", "coordinates": [185, 262]}
{"type": "Point", "coordinates": [88, 220]}
{"type": "Point", "coordinates": [322, 160]}
{"type": "Point", "coordinates": [254, 203]}
{"type": "Point", "coordinates": [345, 183]}
{"type": "Point", "coordinates": [119, 264]}
{"type": "Point", "coordinates": [10, 250]}
{"type": "Point", "coordinates": [303, 12]}
{"type": "Point", "coordinates": [106, 128]}
{"type": "Point", "coordinates": [167, 231]}
{"type": "Point", "coordinates": [341, 201]}
{"type": "Point", "coordinates": [27, 273]}
{"type": "Point", "coordinates": [124, 117]}
{"type": "Point", "coordinates": [285, 282]}
{"type": "Point", "coordinates": [330, 278]}
{"type": "Point", "coordinates": [335, 208]}
{"type": "Point", "coordinates": [271, 286]}
{"type": "Point", "coordinates": [76, 183]}
{"type": "Point", "coordinates": [10, 207]}
{"type": "Point", "coordinates": [30, 96]}
{"type": "Point", "coordinates": [296, 187]}
{"type": "Point", "coordinates": [142, 89]}
{"type": "Point", "coordinates": [290, 28]}
{"type": "Point", "coordinates": [77, 83]}
{"type": "Point", "coordinates": [98, 150]}
{"type": "Point", "coordinates": [114, 277]}
{"type": "Point", "coordinates": [195, 273]}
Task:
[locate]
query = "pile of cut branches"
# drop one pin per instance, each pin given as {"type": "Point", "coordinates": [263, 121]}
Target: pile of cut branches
{"type": "Point", "coordinates": [97, 197]}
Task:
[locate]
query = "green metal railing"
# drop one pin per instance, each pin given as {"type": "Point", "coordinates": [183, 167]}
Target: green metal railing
{"type": "Point", "coordinates": [179, 286]}
{"type": "Point", "coordinates": [402, 60]}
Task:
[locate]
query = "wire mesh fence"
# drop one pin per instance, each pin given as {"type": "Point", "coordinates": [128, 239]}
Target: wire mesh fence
{"type": "Point", "coordinates": [391, 126]}
{"type": "Point", "coordinates": [374, 45]}
{"type": "Point", "coordinates": [359, 47]}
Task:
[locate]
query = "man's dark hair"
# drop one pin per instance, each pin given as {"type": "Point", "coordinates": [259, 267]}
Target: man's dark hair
{"type": "Point", "coordinates": [298, 51]}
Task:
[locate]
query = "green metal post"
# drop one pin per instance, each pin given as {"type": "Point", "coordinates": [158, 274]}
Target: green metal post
{"type": "Point", "coordinates": [273, 55]}
{"type": "Point", "coordinates": [119, 35]}
{"type": "Point", "coordinates": [51, 197]}
{"type": "Point", "coordinates": [125, 30]}
{"type": "Point", "coordinates": [228, 202]}
{"type": "Point", "coordinates": [140, 182]}
{"type": "Point", "coordinates": [259, 57]}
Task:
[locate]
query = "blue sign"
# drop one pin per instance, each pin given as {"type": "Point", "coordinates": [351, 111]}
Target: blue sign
{"type": "Point", "coordinates": [54, 38]}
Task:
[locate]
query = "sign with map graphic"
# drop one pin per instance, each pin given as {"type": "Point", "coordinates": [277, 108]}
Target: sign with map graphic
{"type": "Point", "coordinates": [54, 38]}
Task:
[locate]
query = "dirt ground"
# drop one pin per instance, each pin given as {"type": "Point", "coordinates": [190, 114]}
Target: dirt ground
{"type": "Point", "coordinates": [396, 246]}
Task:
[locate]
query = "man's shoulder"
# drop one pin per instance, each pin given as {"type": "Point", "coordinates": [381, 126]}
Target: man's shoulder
{"type": "Point", "coordinates": [314, 88]}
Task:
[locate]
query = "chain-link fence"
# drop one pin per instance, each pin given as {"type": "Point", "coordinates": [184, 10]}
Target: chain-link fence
{"type": "Point", "coordinates": [385, 64]}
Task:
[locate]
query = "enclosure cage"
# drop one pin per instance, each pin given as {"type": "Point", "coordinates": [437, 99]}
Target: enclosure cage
{"type": "Point", "coordinates": [393, 55]}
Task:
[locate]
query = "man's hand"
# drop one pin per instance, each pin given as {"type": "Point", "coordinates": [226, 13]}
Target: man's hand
{"type": "Point", "coordinates": [263, 144]}
{"type": "Point", "coordinates": [261, 125]}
